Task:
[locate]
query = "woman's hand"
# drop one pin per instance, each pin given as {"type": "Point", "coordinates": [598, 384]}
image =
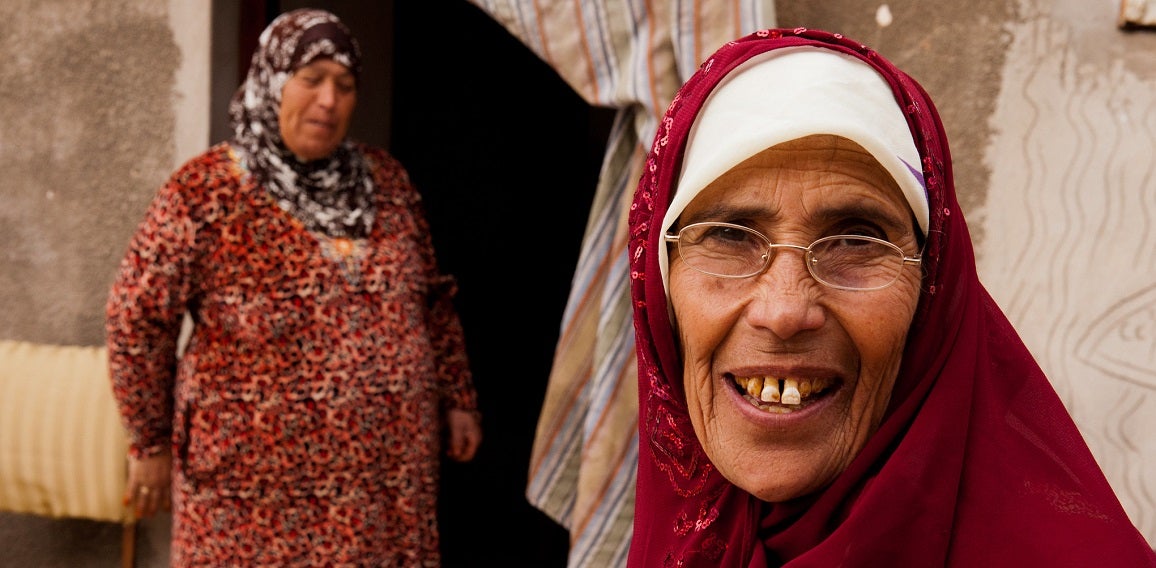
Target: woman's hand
{"type": "Point", "coordinates": [149, 487]}
{"type": "Point", "coordinates": [465, 434]}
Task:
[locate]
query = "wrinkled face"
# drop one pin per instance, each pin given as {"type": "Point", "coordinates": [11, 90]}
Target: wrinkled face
{"type": "Point", "coordinates": [316, 105]}
{"type": "Point", "coordinates": [842, 346]}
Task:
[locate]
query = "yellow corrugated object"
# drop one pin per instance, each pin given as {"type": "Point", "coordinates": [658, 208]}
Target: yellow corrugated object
{"type": "Point", "coordinates": [62, 446]}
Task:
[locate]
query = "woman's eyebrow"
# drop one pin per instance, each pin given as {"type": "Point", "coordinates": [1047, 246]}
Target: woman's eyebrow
{"type": "Point", "coordinates": [725, 212]}
{"type": "Point", "coordinates": [868, 210]}
{"type": "Point", "coordinates": [825, 214]}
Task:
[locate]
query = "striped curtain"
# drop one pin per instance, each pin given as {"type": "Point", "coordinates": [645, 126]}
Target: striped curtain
{"type": "Point", "coordinates": [629, 55]}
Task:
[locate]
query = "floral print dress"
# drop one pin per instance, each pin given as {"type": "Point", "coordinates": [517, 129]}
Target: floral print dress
{"type": "Point", "coordinates": [304, 414]}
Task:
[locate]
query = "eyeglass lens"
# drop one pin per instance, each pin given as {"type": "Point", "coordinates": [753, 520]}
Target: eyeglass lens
{"type": "Point", "coordinates": [843, 261]}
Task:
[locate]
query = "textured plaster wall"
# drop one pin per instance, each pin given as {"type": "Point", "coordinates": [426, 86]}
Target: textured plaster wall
{"type": "Point", "coordinates": [99, 101]}
{"type": "Point", "coordinates": [88, 112]}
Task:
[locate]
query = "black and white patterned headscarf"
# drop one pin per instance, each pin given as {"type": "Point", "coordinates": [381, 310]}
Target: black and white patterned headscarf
{"type": "Point", "coordinates": [331, 195]}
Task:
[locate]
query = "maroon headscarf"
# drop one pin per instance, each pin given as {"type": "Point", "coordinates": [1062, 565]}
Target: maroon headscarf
{"type": "Point", "coordinates": [976, 463]}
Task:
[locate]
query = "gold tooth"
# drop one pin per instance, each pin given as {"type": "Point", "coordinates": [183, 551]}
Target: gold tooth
{"type": "Point", "coordinates": [754, 386]}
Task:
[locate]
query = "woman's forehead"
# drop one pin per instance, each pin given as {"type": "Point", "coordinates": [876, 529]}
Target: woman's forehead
{"type": "Point", "coordinates": [327, 65]}
{"type": "Point", "coordinates": [811, 163]}
{"type": "Point", "coordinates": [822, 177]}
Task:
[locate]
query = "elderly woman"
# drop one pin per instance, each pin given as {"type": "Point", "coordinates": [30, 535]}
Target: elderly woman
{"type": "Point", "coordinates": [823, 379]}
{"type": "Point", "coordinates": [304, 423]}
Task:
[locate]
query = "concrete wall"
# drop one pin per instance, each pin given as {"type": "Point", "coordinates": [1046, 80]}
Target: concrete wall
{"type": "Point", "coordinates": [1051, 110]}
{"type": "Point", "coordinates": [89, 121]}
{"type": "Point", "coordinates": [99, 101]}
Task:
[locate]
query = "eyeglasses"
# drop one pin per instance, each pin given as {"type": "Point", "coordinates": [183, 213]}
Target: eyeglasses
{"type": "Point", "coordinates": [845, 262]}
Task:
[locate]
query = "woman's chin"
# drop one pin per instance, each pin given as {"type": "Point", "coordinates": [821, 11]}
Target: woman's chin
{"type": "Point", "coordinates": [777, 479]}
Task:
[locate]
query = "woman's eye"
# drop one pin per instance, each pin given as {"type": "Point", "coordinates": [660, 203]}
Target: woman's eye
{"type": "Point", "coordinates": [860, 230]}
{"type": "Point", "coordinates": [728, 234]}
{"type": "Point", "coordinates": [852, 243]}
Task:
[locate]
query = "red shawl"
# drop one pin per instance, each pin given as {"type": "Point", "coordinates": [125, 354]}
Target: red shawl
{"type": "Point", "coordinates": [977, 462]}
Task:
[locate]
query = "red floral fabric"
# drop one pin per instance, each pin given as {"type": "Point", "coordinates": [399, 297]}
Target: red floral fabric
{"type": "Point", "coordinates": [305, 414]}
{"type": "Point", "coordinates": [976, 463]}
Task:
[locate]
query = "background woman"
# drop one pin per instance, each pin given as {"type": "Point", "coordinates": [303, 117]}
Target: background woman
{"type": "Point", "coordinates": [303, 423]}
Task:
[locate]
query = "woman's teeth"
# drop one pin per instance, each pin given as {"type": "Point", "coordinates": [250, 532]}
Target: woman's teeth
{"type": "Point", "coordinates": [782, 391]}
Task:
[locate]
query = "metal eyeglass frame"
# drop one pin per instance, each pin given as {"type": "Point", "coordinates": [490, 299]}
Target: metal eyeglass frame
{"type": "Point", "coordinates": [807, 251]}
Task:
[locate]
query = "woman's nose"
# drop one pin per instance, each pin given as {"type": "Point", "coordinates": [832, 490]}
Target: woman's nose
{"type": "Point", "coordinates": [785, 296]}
{"type": "Point", "coordinates": [327, 94]}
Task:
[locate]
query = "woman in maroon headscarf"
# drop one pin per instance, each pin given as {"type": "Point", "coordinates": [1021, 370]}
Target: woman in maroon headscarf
{"type": "Point", "coordinates": [823, 380]}
{"type": "Point", "coordinates": [303, 424]}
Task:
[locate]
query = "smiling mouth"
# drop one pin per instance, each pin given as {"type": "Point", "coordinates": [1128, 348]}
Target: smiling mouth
{"type": "Point", "coordinates": [781, 395]}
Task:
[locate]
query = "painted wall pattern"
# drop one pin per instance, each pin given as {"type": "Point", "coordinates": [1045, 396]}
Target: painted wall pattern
{"type": "Point", "coordinates": [1069, 249]}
